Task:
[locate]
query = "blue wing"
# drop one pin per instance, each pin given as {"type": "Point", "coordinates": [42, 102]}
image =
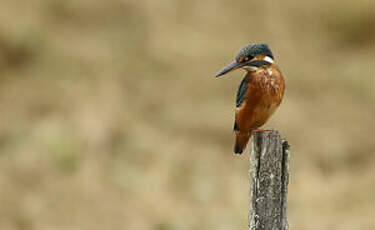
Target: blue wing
{"type": "Point", "coordinates": [241, 93]}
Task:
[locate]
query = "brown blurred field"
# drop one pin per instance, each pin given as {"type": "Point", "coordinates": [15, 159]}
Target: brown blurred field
{"type": "Point", "coordinates": [112, 119]}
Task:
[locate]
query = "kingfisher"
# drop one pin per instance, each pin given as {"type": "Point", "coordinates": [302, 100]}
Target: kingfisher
{"type": "Point", "coordinates": [259, 94]}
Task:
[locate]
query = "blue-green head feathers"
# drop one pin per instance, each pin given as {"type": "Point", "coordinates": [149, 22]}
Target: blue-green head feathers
{"type": "Point", "coordinates": [253, 50]}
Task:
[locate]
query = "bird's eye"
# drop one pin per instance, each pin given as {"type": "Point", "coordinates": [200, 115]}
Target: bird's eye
{"type": "Point", "coordinates": [247, 58]}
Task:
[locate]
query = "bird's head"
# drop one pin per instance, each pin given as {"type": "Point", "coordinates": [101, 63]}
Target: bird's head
{"type": "Point", "coordinates": [250, 58]}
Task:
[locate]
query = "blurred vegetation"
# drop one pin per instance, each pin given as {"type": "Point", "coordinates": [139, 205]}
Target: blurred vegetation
{"type": "Point", "coordinates": [111, 117]}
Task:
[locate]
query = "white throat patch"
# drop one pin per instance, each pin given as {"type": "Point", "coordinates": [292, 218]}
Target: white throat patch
{"type": "Point", "coordinates": [268, 59]}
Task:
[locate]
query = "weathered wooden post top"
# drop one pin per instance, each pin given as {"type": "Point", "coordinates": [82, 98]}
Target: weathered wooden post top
{"type": "Point", "coordinates": [269, 176]}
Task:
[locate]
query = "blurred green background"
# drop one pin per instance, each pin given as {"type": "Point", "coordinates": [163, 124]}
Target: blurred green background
{"type": "Point", "coordinates": [111, 117]}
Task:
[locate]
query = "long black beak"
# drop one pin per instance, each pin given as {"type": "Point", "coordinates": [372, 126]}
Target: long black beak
{"type": "Point", "coordinates": [232, 66]}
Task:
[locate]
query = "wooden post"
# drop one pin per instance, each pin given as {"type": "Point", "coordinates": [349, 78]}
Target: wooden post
{"type": "Point", "coordinates": [269, 176]}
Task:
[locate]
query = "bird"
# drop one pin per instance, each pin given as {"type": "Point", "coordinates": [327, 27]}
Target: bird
{"type": "Point", "coordinates": [259, 94]}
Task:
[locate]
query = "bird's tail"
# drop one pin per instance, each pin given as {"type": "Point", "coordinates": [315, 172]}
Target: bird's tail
{"type": "Point", "coordinates": [241, 141]}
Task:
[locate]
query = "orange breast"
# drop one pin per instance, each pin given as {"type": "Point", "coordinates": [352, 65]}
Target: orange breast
{"type": "Point", "coordinates": [264, 94]}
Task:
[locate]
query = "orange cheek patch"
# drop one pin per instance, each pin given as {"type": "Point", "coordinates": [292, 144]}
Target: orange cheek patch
{"type": "Point", "coordinates": [259, 57]}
